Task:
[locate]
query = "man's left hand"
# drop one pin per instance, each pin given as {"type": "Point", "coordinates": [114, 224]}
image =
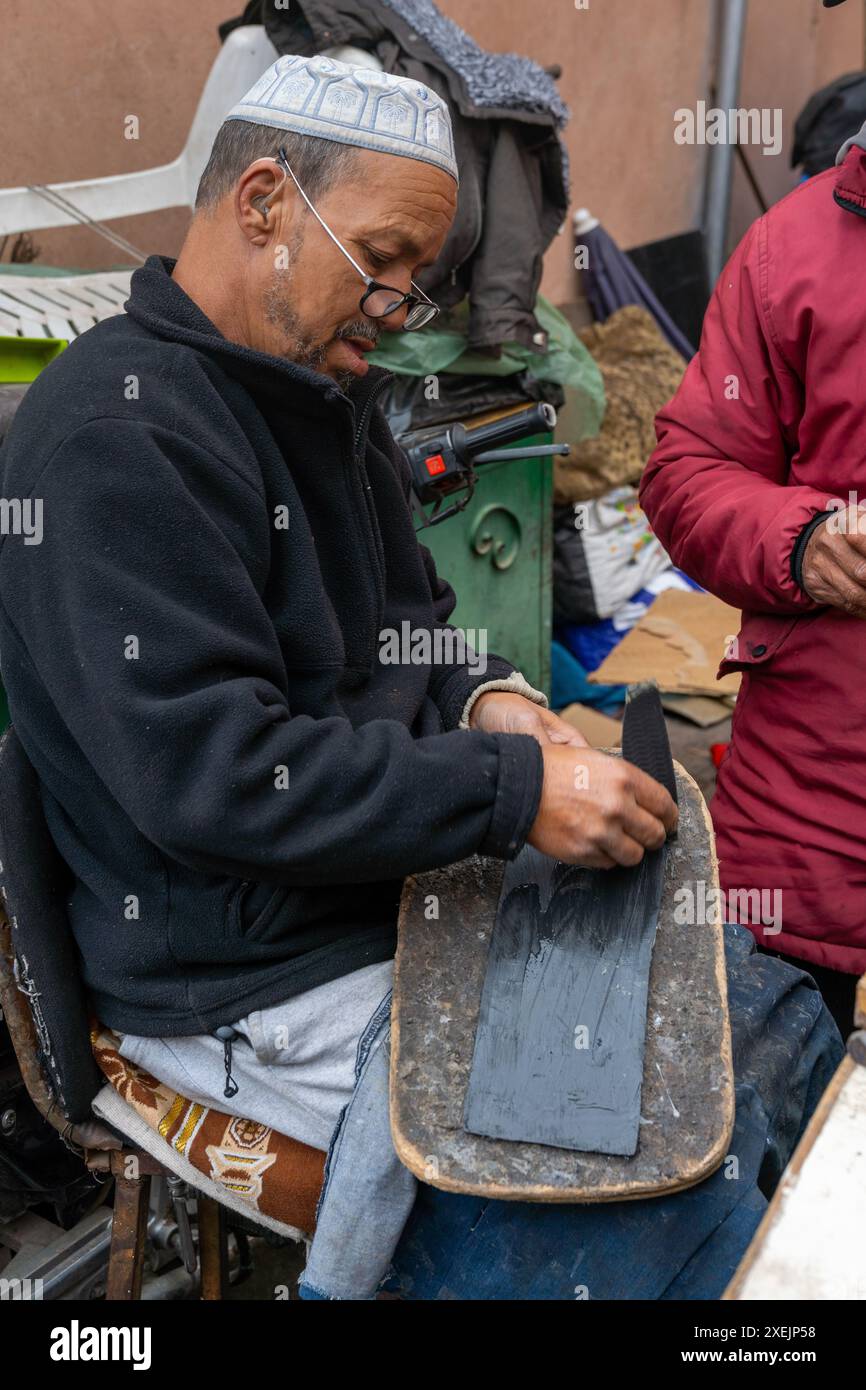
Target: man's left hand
{"type": "Point", "coordinates": [499, 712]}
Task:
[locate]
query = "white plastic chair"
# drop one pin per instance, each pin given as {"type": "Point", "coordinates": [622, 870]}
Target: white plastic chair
{"type": "Point", "coordinates": [65, 304]}
{"type": "Point", "coordinates": [243, 57]}
{"type": "Point", "coordinates": [60, 305]}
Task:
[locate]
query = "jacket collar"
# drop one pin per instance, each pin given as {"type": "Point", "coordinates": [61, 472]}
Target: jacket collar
{"type": "Point", "coordinates": [159, 304]}
{"type": "Point", "coordinates": [849, 189]}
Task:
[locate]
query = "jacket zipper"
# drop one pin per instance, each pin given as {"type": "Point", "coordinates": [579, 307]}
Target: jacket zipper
{"type": "Point", "coordinates": [374, 541]}
{"type": "Point", "coordinates": [377, 390]}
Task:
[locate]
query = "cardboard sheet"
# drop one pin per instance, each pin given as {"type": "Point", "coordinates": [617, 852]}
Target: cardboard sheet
{"type": "Point", "coordinates": [679, 644]}
{"type": "Point", "coordinates": [698, 709]}
{"type": "Point", "coordinates": [599, 730]}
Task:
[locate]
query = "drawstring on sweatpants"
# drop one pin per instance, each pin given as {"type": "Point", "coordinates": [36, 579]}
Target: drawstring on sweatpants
{"type": "Point", "coordinates": [226, 1036]}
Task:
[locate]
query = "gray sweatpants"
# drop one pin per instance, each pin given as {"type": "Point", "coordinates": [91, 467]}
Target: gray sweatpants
{"type": "Point", "coordinates": [294, 1063]}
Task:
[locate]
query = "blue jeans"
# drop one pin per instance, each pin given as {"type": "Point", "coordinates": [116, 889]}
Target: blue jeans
{"type": "Point", "coordinates": [682, 1246]}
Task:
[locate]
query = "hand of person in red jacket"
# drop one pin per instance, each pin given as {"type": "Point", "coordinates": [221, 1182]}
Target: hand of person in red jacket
{"type": "Point", "coordinates": [834, 563]}
{"type": "Point", "coordinates": [598, 810]}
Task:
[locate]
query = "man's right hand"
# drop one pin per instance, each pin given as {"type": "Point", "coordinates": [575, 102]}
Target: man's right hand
{"type": "Point", "coordinates": [834, 565]}
{"type": "Point", "coordinates": [598, 810]}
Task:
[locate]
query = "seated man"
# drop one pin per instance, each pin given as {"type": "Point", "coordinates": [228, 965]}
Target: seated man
{"type": "Point", "coordinates": [237, 781]}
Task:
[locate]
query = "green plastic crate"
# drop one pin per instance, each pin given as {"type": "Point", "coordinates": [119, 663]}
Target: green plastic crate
{"type": "Point", "coordinates": [22, 359]}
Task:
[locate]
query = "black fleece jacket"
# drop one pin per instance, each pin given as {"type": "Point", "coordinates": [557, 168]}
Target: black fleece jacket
{"type": "Point", "coordinates": [236, 781]}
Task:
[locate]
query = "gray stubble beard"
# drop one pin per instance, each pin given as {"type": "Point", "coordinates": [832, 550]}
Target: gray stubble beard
{"type": "Point", "coordinates": [299, 349]}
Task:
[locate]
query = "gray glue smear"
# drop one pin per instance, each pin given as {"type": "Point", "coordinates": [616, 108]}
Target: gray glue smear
{"type": "Point", "coordinates": [560, 1042]}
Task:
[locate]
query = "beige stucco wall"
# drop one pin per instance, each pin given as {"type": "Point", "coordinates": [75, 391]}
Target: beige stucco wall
{"type": "Point", "coordinates": [68, 84]}
{"type": "Point", "coordinates": [785, 60]}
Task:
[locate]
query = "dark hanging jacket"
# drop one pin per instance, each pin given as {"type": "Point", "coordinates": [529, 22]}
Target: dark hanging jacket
{"type": "Point", "coordinates": [191, 656]}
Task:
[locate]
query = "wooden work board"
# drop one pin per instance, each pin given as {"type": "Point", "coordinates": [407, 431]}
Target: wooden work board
{"type": "Point", "coordinates": [687, 1100]}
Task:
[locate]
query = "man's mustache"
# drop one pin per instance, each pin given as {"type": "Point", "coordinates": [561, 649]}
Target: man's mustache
{"type": "Point", "coordinates": [360, 328]}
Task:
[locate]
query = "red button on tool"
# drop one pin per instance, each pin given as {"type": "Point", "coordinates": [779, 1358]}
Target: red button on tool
{"type": "Point", "coordinates": [435, 464]}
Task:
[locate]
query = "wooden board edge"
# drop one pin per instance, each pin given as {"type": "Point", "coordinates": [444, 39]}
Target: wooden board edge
{"type": "Point", "coordinates": [417, 1163]}
{"type": "Point", "coordinates": [798, 1158]}
{"type": "Point", "coordinates": [726, 1051]}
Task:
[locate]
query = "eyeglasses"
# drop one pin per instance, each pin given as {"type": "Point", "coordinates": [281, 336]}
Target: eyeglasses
{"type": "Point", "coordinates": [379, 300]}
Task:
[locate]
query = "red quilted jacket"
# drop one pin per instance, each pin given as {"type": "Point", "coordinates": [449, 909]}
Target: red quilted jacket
{"type": "Point", "coordinates": [768, 428]}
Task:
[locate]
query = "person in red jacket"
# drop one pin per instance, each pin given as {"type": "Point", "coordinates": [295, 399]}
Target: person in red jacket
{"type": "Point", "coordinates": [754, 489]}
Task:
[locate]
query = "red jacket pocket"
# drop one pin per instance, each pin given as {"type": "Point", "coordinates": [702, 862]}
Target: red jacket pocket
{"type": "Point", "coordinates": [758, 640]}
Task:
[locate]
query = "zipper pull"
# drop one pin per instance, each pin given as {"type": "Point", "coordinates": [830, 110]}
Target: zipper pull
{"type": "Point", "coordinates": [227, 1036]}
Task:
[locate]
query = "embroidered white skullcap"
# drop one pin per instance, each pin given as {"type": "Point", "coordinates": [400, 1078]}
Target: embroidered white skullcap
{"type": "Point", "coordinates": [357, 106]}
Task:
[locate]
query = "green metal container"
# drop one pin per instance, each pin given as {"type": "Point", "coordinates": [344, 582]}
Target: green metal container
{"type": "Point", "coordinates": [497, 556]}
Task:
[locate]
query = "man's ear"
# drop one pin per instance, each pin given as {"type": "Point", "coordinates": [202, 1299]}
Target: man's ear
{"type": "Point", "coordinates": [258, 194]}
